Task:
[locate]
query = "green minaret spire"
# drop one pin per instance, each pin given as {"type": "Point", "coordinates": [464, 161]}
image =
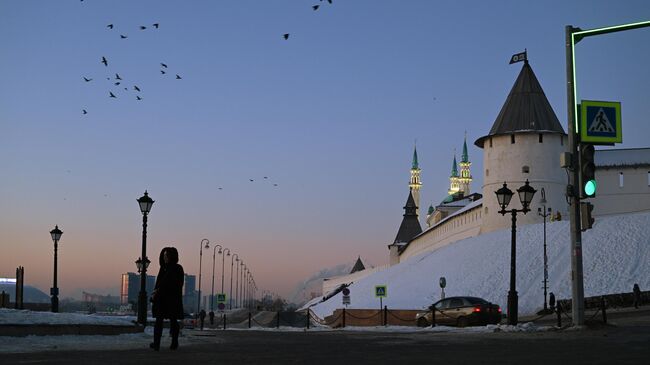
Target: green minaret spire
{"type": "Point", "coordinates": [464, 157]}
{"type": "Point", "coordinates": [415, 158]}
{"type": "Point", "coordinates": [454, 168]}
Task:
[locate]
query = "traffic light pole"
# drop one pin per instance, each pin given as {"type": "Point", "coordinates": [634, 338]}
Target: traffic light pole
{"type": "Point", "coordinates": [573, 36]}
{"type": "Point", "coordinates": [577, 285]}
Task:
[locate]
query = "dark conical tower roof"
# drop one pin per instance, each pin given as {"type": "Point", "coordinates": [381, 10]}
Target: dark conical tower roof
{"type": "Point", "coordinates": [526, 109]}
{"type": "Point", "coordinates": [358, 266]}
{"type": "Point", "coordinates": [410, 226]}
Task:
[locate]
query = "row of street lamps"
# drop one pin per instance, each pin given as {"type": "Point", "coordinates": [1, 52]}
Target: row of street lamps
{"type": "Point", "coordinates": [246, 276]}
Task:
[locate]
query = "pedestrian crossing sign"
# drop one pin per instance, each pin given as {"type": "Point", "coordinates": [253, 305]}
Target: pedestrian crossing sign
{"type": "Point", "coordinates": [380, 291]}
{"type": "Point", "coordinates": [600, 122]}
{"type": "Point", "coordinates": [221, 297]}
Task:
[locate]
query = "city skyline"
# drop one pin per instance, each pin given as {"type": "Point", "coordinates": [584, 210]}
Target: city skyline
{"type": "Point", "coordinates": [323, 122]}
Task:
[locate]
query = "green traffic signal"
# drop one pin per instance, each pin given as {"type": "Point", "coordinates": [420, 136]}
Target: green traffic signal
{"type": "Point", "coordinates": [590, 188]}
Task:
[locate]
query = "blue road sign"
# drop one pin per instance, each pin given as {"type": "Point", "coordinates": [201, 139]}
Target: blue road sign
{"type": "Point", "coordinates": [600, 122]}
{"type": "Point", "coordinates": [380, 291]}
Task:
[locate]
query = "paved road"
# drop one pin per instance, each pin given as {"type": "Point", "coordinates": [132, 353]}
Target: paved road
{"type": "Point", "coordinates": [626, 343]}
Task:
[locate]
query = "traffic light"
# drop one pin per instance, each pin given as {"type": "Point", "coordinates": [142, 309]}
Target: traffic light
{"type": "Point", "coordinates": [586, 221]}
{"type": "Point", "coordinates": [587, 171]}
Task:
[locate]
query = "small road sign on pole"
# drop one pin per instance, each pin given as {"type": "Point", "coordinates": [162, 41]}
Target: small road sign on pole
{"type": "Point", "coordinates": [600, 122]}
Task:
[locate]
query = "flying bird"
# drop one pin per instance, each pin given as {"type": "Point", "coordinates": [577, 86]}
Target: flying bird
{"type": "Point", "coordinates": [112, 95]}
{"type": "Point", "coordinates": [104, 61]}
{"type": "Point", "coordinates": [117, 83]}
{"type": "Point", "coordinates": [329, 1]}
{"type": "Point", "coordinates": [110, 26]}
{"type": "Point", "coordinates": [286, 36]}
{"type": "Point", "coordinates": [315, 7]}
{"type": "Point", "coordinates": [127, 89]}
{"type": "Point", "coordinates": [178, 77]}
{"type": "Point", "coordinates": [117, 77]}
{"type": "Point", "coordinates": [251, 180]}
{"type": "Point", "coordinates": [156, 25]}
{"type": "Point", "coordinates": [275, 184]}
{"type": "Point", "coordinates": [163, 65]}
{"type": "Point", "coordinates": [266, 177]}
{"type": "Point", "coordinates": [138, 97]}
{"type": "Point", "coordinates": [142, 27]}
{"type": "Point", "coordinates": [136, 88]}
{"type": "Point", "coordinates": [220, 188]}
{"type": "Point", "coordinates": [87, 79]}
{"type": "Point", "coordinates": [162, 72]}
{"type": "Point", "coordinates": [123, 36]}
{"type": "Point", "coordinates": [85, 112]}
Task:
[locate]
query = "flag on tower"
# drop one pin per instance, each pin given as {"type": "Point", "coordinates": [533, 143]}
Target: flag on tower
{"type": "Point", "coordinates": [519, 57]}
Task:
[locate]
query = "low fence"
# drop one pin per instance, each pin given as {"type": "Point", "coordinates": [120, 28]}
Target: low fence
{"type": "Point", "coordinates": [620, 300]}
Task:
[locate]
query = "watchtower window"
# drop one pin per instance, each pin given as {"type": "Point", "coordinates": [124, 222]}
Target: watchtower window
{"type": "Point", "coordinates": [512, 138]}
{"type": "Point", "coordinates": [490, 142]}
{"type": "Point", "coordinates": [541, 138]}
{"type": "Point", "coordinates": [525, 169]}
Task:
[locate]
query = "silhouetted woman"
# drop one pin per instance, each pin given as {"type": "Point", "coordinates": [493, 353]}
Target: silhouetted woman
{"type": "Point", "coordinates": [167, 297]}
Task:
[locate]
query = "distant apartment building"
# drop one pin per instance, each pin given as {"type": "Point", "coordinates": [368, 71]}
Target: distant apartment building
{"type": "Point", "coordinates": [130, 287]}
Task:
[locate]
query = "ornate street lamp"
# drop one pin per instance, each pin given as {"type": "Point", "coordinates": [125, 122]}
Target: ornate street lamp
{"type": "Point", "coordinates": [145, 203]}
{"type": "Point", "coordinates": [214, 253]}
{"type": "Point", "coordinates": [543, 212]}
{"type": "Point", "coordinates": [504, 195]}
{"type": "Point", "coordinates": [223, 261]}
{"type": "Point", "coordinates": [54, 291]}
{"type": "Point", "coordinates": [207, 245]}
{"type": "Point", "coordinates": [232, 258]}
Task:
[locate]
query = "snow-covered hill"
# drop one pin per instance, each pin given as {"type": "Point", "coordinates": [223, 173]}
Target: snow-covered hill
{"type": "Point", "coordinates": [616, 255]}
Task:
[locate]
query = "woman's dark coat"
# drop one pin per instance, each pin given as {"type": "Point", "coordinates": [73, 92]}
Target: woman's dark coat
{"type": "Point", "coordinates": [168, 300]}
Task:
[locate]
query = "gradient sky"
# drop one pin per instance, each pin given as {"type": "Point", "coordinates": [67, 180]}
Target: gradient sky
{"type": "Point", "coordinates": [330, 115]}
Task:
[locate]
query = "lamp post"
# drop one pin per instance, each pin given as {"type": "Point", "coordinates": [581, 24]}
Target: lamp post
{"type": "Point", "coordinates": [223, 260]}
{"type": "Point", "coordinates": [54, 292]}
{"type": "Point", "coordinates": [237, 281]}
{"type": "Point", "coordinates": [504, 195]}
{"type": "Point", "coordinates": [207, 245]}
{"type": "Point", "coordinates": [212, 294]}
{"type": "Point", "coordinates": [145, 203]}
{"type": "Point", "coordinates": [232, 258]}
{"type": "Point", "coordinates": [543, 212]}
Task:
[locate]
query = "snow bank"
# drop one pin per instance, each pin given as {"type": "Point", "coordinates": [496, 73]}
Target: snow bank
{"type": "Point", "coordinates": [14, 316]}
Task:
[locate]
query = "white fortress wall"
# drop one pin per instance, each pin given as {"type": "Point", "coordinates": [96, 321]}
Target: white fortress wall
{"type": "Point", "coordinates": [463, 224]}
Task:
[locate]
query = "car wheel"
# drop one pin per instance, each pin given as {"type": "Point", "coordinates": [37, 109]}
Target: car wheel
{"type": "Point", "coordinates": [422, 322]}
{"type": "Point", "coordinates": [463, 322]}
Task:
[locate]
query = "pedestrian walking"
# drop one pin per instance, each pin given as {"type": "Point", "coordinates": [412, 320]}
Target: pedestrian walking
{"type": "Point", "coordinates": [202, 317]}
{"type": "Point", "coordinates": [167, 297]}
{"type": "Point", "coordinates": [637, 295]}
{"type": "Point", "coordinates": [551, 301]}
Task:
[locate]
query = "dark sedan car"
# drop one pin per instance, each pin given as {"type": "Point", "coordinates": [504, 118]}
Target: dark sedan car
{"type": "Point", "coordinates": [461, 312]}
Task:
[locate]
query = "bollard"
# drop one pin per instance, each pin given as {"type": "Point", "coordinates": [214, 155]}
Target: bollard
{"type": "Point", "coordinates": [249, 319]}
{"type": "Point", "coordinates": [433, 316]}
{"type": "Point", "coordinates": [603, 306]}
{"type": "Point", "coordinates": [558, 310]}
{"type": "Point", "coordinates": [343, 317]}
{"type": "Point", "coordinates": [224, 321]}
{"type": "Point", "coordinates": [385, 315]}
{"type": "Point", "coordinates": [278, 319]}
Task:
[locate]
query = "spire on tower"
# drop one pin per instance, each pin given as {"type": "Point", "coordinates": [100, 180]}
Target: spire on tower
{"type": "Point", "coordinates": [415, 158]}
{"type": "Point", "coordinates": [465, 156]}
{"type": "Point", "coordinates": [454, 168]}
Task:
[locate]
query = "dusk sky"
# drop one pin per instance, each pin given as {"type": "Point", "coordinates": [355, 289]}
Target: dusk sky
{"type": "Point", "coordinates": [329, 115]}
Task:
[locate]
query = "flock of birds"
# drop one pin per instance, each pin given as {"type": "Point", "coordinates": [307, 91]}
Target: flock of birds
{"type": "Point", "coordinates": [266, 178]}
{"type": "Point", "coordinates": [117, 80]}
